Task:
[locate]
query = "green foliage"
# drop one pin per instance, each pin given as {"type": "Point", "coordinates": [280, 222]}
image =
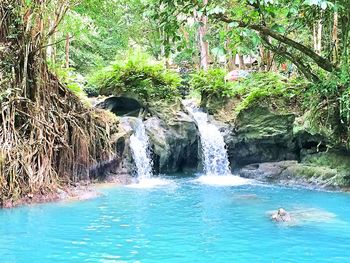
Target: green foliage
{"type": "Point", "coordinates": [100, 29]}
{"type": "Point", "coordinates": [235, 27]}
{"type": "Point", "coordinates": [330, 159]}
{"type": "Point", "coordinates": [92, 42]}
{"type": "Point", "coordinates": [139, 76]}
{"type": "Point", "coordinates": [329, 102]}
{"type": "Point", "coordinates": [211, 83]}
{"type": "Point", "coordinates": [267, 87]}
{"type": "Point", "coordinates": [345, 105]}
{"type": "Point", "coordinates": [74, 81]}
{"type": "Point", "coordinates": [262, 87]}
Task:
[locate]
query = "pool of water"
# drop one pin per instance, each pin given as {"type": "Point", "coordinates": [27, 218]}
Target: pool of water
{"type": "Point", "coordinates": [181, 220]}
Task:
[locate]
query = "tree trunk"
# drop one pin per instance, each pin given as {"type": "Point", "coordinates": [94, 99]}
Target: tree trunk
{"type": "Point", "coordinates": [203, 44]}
{"type": "Point", "coordinates": [230, 59]}
{"type": "Point", "coordinates": [335, 40]}
{"type": "Point", "coordinates": [47, 136]}
{"type": "Point", "coordinates": [241, 62]}
{"type": "Point", "coordinates": [50, 48]}
{"type": "Point", "coordinates": [266, 57]}
{"type": "Point", "coordinates": [314, 37]}
{"type": "Point", "coordinates": [67, 50]}
{"type": "Point", "coordinates": [231, 63]}
{"type": "Point", "coordinates": [318, 36]}
{"type": "Point", "coordinates": [263, 63]}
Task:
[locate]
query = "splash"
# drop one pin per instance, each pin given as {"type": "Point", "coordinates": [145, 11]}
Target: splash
{"type": "Point", "coordinates": [223, 180]}
{"type": "Point", "coordinates": [139, 145]}
{"type": "Point", "coordinates": [215, 158]}
{"type": "Point", "coordinates": [151, 183]}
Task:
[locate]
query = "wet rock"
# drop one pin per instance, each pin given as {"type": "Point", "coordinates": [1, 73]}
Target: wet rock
{"type": "Point", "coordinates": [174, 143]}
{"type": "Point", "coordinates": [260, 135]}
{"type": "Point", "coordinates": [265, 172]}
{"type": "Point", "coordinates": [309, 174]}
{"type": "Point", "coordinates": [307, 139]}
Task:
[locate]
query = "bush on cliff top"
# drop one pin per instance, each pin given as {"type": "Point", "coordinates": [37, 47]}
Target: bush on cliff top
{"type": "Point", "coordinates": [139, 76]}
{"type": "Point", "coordinates": [270, 89]}
{"type": "Point", "coordinates": [211, 83]}
{"type": "Point", "coordinates": [265, 88]}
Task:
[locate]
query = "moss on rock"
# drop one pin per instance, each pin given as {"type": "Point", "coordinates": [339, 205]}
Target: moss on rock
{"type": "Point", "coordinates": [259, 123]}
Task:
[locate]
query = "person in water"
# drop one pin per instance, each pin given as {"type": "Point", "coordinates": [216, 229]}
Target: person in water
{"type": "Point", "coordinates": [281, 216]}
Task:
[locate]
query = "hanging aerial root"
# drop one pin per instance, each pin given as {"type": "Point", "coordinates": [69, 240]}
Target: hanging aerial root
{"type": "Point", "coordinates": [46, 145]}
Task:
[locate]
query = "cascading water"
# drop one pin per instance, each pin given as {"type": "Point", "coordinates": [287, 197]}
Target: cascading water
{"type": "Point", "coordinates": [140, 148]}
{"type": "Point", "coordinates": [215, 158]}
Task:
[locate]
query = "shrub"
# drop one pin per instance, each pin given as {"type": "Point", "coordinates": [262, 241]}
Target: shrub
{"type": "Point", "coordinates": [139, 76]}
{"type": "Point", "coordinates": [330, 107]}
{"type": "Point", "coordinates": [211, 83]}
{"type": "Point", "coordinates": [73, 80]}
{"type": "Point", "coordinates": [265, 88]}
{"type": "Point", "coordinates": [258, 87]}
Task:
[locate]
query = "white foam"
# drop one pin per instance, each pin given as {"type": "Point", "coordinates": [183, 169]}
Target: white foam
{"type": "Point", "coordinates": [223, 180]}
{"type": "Point", "coordinates": [151, 183]}
{"type": "Point", "coordinates": [313, 215]}
{"type": "Point", "coordinates": [140, 148]}
{"type": "Point", "coordinates": [215, 157]}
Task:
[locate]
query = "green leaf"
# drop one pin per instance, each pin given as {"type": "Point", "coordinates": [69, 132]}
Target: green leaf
{"type": "Point", "coordinates": [218, 51]}
{"type": "Point", "coordinates": [278, 28]}
{"type": "Point", "coordinates": [233, 24]}
{"type": "Point", "coordinates": [216, 10]}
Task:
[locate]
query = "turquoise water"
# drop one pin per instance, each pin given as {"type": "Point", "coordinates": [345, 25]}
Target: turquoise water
{"type": "Point", "coordinates": [183, 221]}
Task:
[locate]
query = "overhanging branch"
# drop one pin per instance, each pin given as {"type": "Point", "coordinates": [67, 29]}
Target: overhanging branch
{"type": "Point", "coordinates": [263, 30]}
{"type": "Point", "coordinates": [305, 69]}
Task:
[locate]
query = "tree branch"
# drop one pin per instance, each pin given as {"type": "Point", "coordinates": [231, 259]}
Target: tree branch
{"type": "Point", "coordinates": [263, 30]}
{"type": "Point", "coordinates": [282, 51]}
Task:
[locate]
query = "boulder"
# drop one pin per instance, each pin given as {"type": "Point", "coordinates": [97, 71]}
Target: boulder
{"type": "Point", "coordinates": [173, 136]}
{"type": "Point", "coordinates": [120, 167]}
{"type": "Point", "coordinates": [325, 170]}
{"type": "Point", "coordinates": [174, 143]}
{"type": "Point", "coordinates": [329, 169]}
{"type": "Point", "coordinates": [308, 139]}
{"type": "Point", "coordinates": [261, 135]}
{"type": "Point", "coordinates": [265, 172]}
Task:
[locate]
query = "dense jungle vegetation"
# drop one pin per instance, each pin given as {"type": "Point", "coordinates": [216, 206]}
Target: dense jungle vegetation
{"type": "Point", "coordinates": [55, 53]}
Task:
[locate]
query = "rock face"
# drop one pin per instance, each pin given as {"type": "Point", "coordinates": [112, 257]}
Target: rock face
{"type": "Point", "coordinates": [174, 143]}
{"type": "Point", "coordinates": [275, 148]}
{"type": "Point", "coordinates": [262, 144]}
{"type": "Point", "coordinates": [322, 170]}
{"type": "Point", "coordinates": [173, 137]}
{"type": "Point", "coordinates": [120, 167]}
{"type": "Point", "coordinates": [261, 136]}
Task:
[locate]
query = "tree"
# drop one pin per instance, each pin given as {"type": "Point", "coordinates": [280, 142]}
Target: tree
{"type": "Point", "coordinates": [277, 23]}
{"type": "Point", "coordinates": [100, 30]}
{"type": "Point", "coordinates": [202, 20]}
{"type": "Point", "coordinates": [47, 137]}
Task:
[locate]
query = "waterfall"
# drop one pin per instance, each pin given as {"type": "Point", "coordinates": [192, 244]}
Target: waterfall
{"type": "Point", "coordinates": [140, 147]}
{"type": "Point", "coordinates": [215, 158]}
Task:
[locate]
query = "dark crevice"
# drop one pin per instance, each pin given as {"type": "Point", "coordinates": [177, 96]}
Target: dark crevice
{"type": "Point", "coordinates": [122, 106]}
